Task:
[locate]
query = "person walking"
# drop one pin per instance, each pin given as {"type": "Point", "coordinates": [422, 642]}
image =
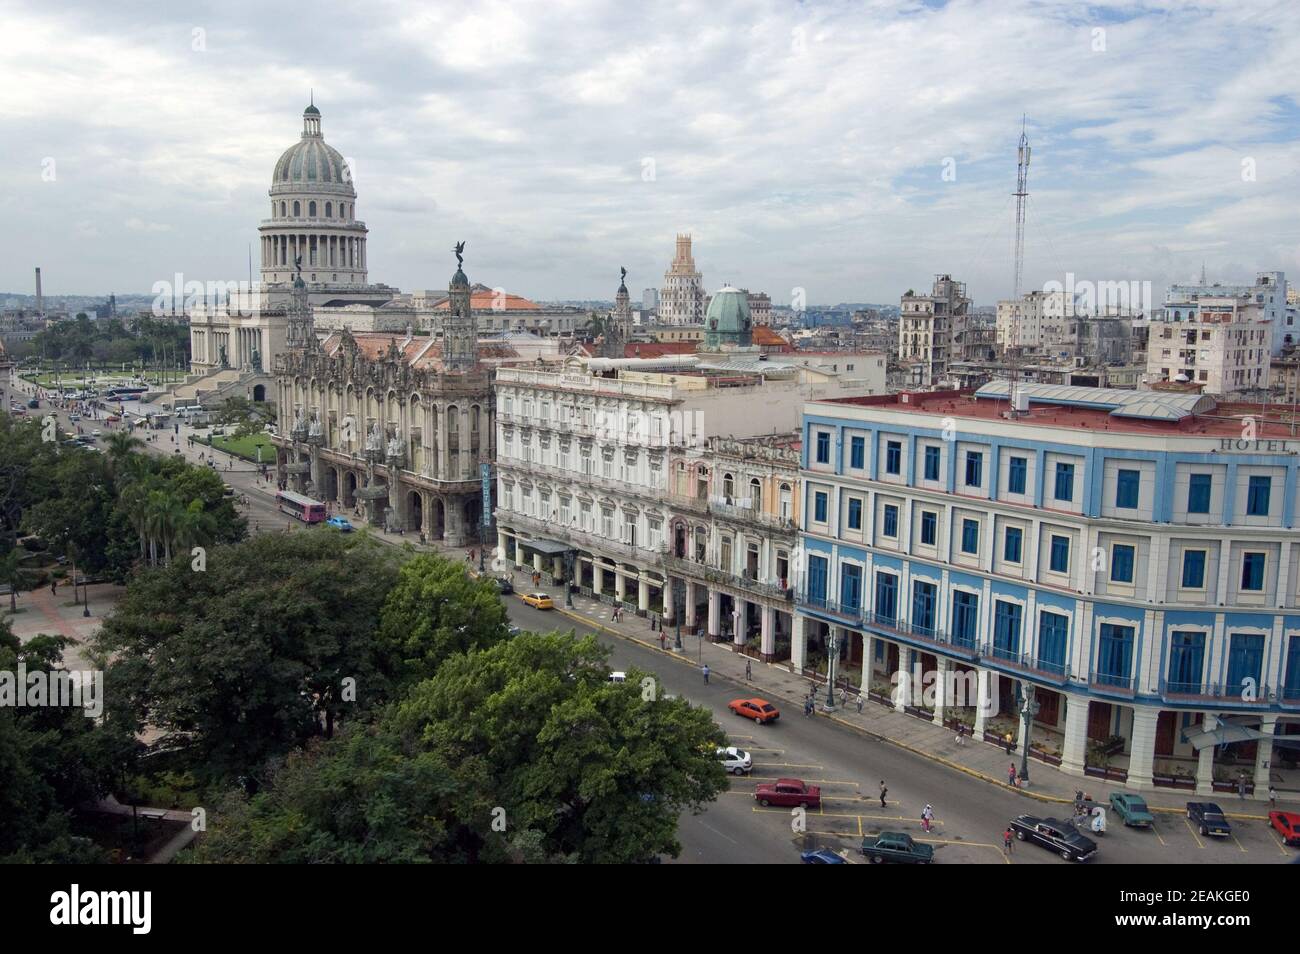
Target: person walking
{"type": "Point", "coordinates": [662, 647]}
{"type": "Point", "coordinates": [705, 671]}
{"type": "Point", "coordinates": [749, 671]}
{"type": "Point", "coordinates": [1008, 841]}
{"type": "Point", "coordinates": [883, 792]}
{"type": "Point", "coordinates": [961, 734]}
{"type": "Point", "coordinates": [1006, 740]}
{"type": "Point", "coordinates": [861, 701]}
{"type": "Point", "coordinates": [1272, 797]}
{"type": "Point", "coordinates": [927, 817]}
{"type": "Point", "coordinates": [1011, 775]}
{"type": "Point", "coordinates": [807, 707]}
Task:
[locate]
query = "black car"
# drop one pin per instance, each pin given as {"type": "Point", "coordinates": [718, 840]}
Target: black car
{"type": "Point", "coordinates": [1055, 835]}
{"type": "Point", "coordinates": [504, 586]}
{"type": "Point", "coordinates": [1208, 817]}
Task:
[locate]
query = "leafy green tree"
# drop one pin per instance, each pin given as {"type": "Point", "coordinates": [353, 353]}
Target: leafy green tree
{"type": "Point", "coordinates": [600, 771]}
{"type": "Point", "coordinates": [248, 659]}
{"type": "Point", "coordinates": [437, 609]}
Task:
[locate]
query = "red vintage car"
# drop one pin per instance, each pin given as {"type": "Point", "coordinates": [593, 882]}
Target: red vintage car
{"type": "Point", "coordinates": [1286, 824]}
{"type": "Point", "coordinates": [760, 710]}
{"type": "Point", "coordinates": [790, 793]}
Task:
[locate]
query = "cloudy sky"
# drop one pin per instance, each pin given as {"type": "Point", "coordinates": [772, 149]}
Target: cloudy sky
{"type": "Point", "coordinates": [852, 149]}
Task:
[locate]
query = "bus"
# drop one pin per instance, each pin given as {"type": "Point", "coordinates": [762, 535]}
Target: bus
{"type": "Point", "coordinates": [124, 393]}
{"type": "Point", "coordinates": [304, 508]}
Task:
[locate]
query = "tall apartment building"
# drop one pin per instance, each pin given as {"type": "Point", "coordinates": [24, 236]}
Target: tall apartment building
{"type": "Point", "coordinates": [681, 300]}
{"type": "Point", "coordinates": [926, 328]}
{"type": "Point", "coordinates": [1220, 343]}
{"type": "Point", "coordinates": [1127, 557]}
{"type": "Point", "coordinates": [1270, 292]}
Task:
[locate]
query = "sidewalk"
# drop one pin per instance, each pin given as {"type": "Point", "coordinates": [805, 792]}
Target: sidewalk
{"type": "Point", "coordinates": [980, 760]}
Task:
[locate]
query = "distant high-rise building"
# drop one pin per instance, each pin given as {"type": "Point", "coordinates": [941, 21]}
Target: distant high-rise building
{"type": "Point", "coordinates": [681, 302]}
{"type": "Point", "coordinates": [1269, 292]}
{"type": "Point", "coordinates": [926, 328]}
{"type": "Point", "coordinates": [1219, 342]}
{"type": "Point", "coordinates": [650, 300]}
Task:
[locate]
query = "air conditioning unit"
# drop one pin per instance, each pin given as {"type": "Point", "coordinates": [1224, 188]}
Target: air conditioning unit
{"type": "Point", "coordinates": [1020, 400]}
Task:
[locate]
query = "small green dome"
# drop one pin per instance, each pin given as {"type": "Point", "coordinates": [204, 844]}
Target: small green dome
{"type": "Point", "coordinates": [311, 111]}
{"type": "Point", "coordinates": [728, 321]}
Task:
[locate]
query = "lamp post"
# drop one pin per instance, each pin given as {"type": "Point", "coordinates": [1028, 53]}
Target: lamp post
{"type": "Point", "coordinates": [832, 657]}
{"type": "Point", "coordinates": [568, 579]}
{"type": "Point", "coordinates": [1028, 709]}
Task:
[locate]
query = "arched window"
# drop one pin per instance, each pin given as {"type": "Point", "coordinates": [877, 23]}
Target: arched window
{"type": "Point", "coordinates": [283, 211]}
{"type": "Point", "coordinates": [755, 494]}
{"type": "Point", "coordinates": [297, 208]}
{"type": "Point", "coordinates": [311, 209]}
{"type": "Point", "coordinates": [786, 501]}
{"type": "Point", "coordinates": [728, 487]}
{"type": "Point", "coordinates": [329, 210]}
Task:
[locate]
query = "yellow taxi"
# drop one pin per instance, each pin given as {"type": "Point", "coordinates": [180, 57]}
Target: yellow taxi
{"type": "Point", "coordinates": [541, 601]}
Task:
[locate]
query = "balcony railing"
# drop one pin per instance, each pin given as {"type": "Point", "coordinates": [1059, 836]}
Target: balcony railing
{"type": "Point", "coordinates": [858, 618]}
{"type": "Point", "coordinates": [579, 538]}
{"type": "Point", "coordinates": [713, 574]}
{"type": "Point", "coordinates": [1174, 690]}
{"type": "Point", "coordinates": [1111, 683]}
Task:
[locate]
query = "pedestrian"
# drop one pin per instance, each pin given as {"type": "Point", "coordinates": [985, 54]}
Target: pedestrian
{"type": "Point", "coordinates": [861, 702]}
{"type": "Point", "coordinates": [961, 734]}
{"type": "Point", "coordinates": [1272, 797]}
{"type": "Point", "coordinates": [1011, 775]}
{"type": "Point", "coordinates": [749, 670]}
{"type": "Point", "coordinates": [1008, 841]}
{"type": "Point", "coordinates": [705, 671]}
{"type": "Point", "coordinates": [927, 813]}
{"type": "Point", "coordinates": [613, 615]}
{"type": "Point", "coordinates": [883, 792]}
{"type": "Point", "coordinates": [807, 707]}
{"type": "Point", "coordinates": [661, 640]}
{"type": "Point", "coordinates": [53, 583]}
{"type": "Point", "coordinates": [1006, 740]}
{"type": "Point", "coordinates": [1241, 787]}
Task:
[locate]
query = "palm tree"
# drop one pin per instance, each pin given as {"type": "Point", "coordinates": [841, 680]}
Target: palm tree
{"type": "Point", "coordinates": [120, 445]}
{"type": "Point", "coordinates": [194, 526]}
{"type": "Point", "coordinates": [165, 514]}
{"type": "Point", "coordinates": [134, 501]}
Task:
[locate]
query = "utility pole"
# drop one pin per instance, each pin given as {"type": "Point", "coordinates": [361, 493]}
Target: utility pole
{"type": "Point", "coordinates": [1022, 197]}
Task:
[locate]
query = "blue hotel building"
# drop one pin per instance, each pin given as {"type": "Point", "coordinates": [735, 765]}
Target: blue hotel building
{"type": "Point", "coordinates": [1130, 555]}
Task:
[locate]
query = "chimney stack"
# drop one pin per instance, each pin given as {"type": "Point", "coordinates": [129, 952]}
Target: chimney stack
{"type": "Point", "coordinates": [40, 302]}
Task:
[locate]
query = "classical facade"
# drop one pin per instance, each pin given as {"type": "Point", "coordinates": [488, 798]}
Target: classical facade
{"type": "Point", "coordinates": [733, 529]}
{"type": "Point", "coordinates": [396, 425]}
{"type": "Point", "coordinates": [1128, 560]}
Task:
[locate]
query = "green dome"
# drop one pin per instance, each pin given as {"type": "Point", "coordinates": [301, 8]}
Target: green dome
{"type": "Point", "coordinates": [727, 320]}
{"type": "Point", "coordinates": [311, 111]}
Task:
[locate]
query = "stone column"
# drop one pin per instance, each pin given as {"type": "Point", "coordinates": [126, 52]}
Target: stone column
{"type": "Point", "coordinates": [715, 612]}
{"type": "Point", "coordinates": [690, 607]}
{"type": "Point", "coordinates": [798, 641]}
{"type": "Point", "coordinates": [1142, 748]}
{"type": "Point", "coordinates": [1205, 760]}
{"type": "Point", "coordinates": [620, 584]}
{"type": "Point", "coordinates": [1264, 756]}
{"type": "Point", "coordinates": [942, 667]}
{"type": "Point", "coordinates": [597, 577]}
{"type": "Point", "coordinates": [985, 698]}
{"type": "Point", "coordinates": [501, 537]}
{"type": "Point", "coordinates": [1074, 747]}
{"type": "Point", "coordinates": [911, 696]}
{"type": "Point", "coordinates": [557, 567]}
{"type": "Point", "coordinates": [739, 621]}
{"type": "Point", "coordinates": [537, 561]}
{"type": "Point", "coordinates": [670, 610]}
{"type": "Point", "coordinates": [767, 634]}
{"type": "Point", "coordinates": [642, 596]}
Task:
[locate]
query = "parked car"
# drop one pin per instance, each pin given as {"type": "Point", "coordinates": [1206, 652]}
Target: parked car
{"type": "Point", "coordinates": [760, 710]}
{"type": "Point", "coordinates": [1131, 809]}
{"type": "Point", "coordinates": [1054, 835]}
{"type": "Point", "coordinates": [896, 846]}
{"type": "Point", "coordinates": [788, 792]}
{"type": "Point", "coordinates": [514, 630]}
{"type": "Point", "coordinates": [822, 856]}
{"type": "Point", "coordinates": [504, 586]}
{"type": "Point", "coordinates": [1286, 824]}
{"type": "Point", "coordinates": [340, 523]}
{"type": "Point", "coordinates": [95, 433]}
{"type": "Point", "coordinates": [539, 601]}
{"type": "Point", "coordinates": [74, 418]}
{"type": "Point", "coordinates": [736, 761]}
{"type": "Point", "coordinates": [1208, 817]}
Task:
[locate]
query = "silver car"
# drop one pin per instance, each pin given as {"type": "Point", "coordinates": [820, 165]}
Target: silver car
{"type": "Point", "coordinates": [736, 761]}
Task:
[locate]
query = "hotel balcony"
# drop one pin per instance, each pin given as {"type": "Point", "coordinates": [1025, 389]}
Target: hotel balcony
{"type": "Point", "coordinates": [740, 581]}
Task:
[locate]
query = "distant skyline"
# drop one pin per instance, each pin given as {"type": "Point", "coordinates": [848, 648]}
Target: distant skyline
{"type": "Point", "coordinates": [849, 149]}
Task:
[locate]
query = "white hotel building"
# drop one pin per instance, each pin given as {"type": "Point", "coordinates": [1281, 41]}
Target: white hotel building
{"type": "Point", "coordinates": [1130, 556]}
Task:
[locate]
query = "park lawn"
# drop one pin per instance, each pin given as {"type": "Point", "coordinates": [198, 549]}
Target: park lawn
{"type": "Point", "coordinates": [246, 447]}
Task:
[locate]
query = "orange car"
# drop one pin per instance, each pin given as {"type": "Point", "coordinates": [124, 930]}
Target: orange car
{"type": "Point", "coordinates": [760, 710]}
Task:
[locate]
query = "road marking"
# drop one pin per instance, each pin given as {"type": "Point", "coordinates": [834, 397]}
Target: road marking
{"type": "Point", "coordinates": [811, 781]}
{"type": "Point", "coordinates": [859, 826]}
{"type": "Point", "coordinates": [1188, 822]}
{"type": "Point", "coordinates": [1158, 838]}
{"type": "Point", "coordinates": [1234, 838]}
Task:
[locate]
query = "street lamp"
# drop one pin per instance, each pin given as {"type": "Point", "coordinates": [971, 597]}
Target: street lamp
{"type": "Point", "coordinates": [568, 579]}
{"type": "Point", "coordinates": [832, 657]}
{"type": "Point", "coordinates": [1028, 709]}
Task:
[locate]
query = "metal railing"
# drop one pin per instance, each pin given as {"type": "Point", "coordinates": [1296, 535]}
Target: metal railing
{"type": "Point", "coordinates": [1111, 682]}
{"type": "Point", "coordinates": [713, 574]}
{"type": "Point", "coordinates": [1217, 692]}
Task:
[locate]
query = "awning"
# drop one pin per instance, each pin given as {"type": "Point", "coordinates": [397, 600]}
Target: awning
{"type": "Point", "coordinates": [547, 547]}
{"type": "Point", "coordinates": [1225, 733]}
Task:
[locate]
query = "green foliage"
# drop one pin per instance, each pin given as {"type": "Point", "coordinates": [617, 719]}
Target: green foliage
{"type": "Point", "coordinates": [437, 609]}
{"type": "Point", "coordinates": [246, 660]}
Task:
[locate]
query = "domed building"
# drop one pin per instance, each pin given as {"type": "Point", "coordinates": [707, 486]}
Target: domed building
{"type": "Point", "coordinates": [313, 214]}
{"type": "Point", "coordinates": [727, 323]}
{"type": "Point", "coordinates": [313, 236]}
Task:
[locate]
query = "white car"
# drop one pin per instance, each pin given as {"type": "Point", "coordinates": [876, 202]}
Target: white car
{"type": "Point", "coordinates": [736, 761]}
{"type": "Point", "coordinates": [95, 433]}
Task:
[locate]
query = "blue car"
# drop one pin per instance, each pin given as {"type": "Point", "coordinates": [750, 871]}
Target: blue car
{"type": "Point", "coordinates": [822, 856]}
{"type": "Point", "coordinates": [339, 523]}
